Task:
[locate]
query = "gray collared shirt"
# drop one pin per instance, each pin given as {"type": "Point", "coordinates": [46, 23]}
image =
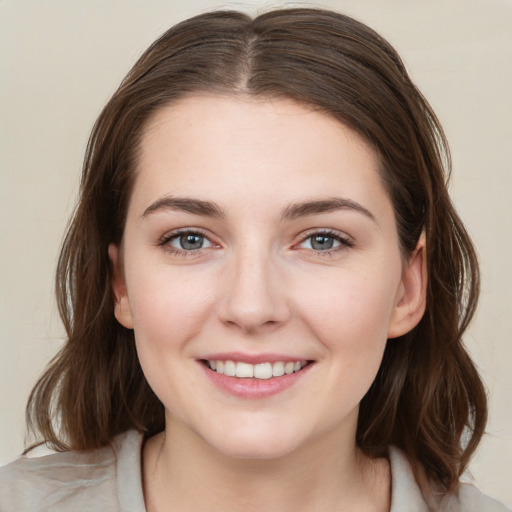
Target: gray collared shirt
{"type": "Point", "coordinates": [109, 479]}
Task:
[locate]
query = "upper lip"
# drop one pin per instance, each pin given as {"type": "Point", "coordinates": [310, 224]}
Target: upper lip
{"type": "Point", "coordinates": [252, 358]}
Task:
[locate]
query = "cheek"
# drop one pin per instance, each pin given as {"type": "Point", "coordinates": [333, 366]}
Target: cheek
{"type": "Point", "coordinates": [350, 317]}
{"type": "Point", "coordinates": [169, 311]}
{"type": "Point", "coordinates": [355, 307]}
{"type": "Point", "coordinates": [351, 321]}
{"type": "Point", "coordinates": [168, 306]}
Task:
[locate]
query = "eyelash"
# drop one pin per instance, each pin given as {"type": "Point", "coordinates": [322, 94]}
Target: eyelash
{"type": "Point", "coordinates": [164, 242]}
{"type": "Point", "coordinates": [345, 242]}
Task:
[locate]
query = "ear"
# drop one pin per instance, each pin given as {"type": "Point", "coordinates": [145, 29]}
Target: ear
{"type": "Point", "coordinates": [122, 310]}
{"type": "Point", "coordinates": [411, 299]}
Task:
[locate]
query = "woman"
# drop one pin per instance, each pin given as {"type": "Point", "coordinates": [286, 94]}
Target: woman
{"type": "Point", "coordinates": [264, 287]}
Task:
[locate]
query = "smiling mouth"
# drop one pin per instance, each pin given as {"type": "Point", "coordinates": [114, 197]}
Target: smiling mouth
{"type": "Point", "coordinates": [261, 371]}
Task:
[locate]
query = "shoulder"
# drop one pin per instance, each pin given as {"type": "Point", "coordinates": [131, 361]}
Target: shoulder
{"type": "Point", "coordinates": [470, 499]}
{"type": "Point", "coordinates": [406, 494]}
{"type": "Point", "coordinates": [73, 480]}
{"type": "Point", "coordinates": [57, 480]}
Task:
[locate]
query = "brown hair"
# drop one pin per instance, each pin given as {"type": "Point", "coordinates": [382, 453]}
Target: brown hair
{"type": "Point", "coordinates": [427, 398]}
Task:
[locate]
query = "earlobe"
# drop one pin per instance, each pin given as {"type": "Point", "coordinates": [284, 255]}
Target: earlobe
{"type": "Point", "coordinates": [122, 310]}
{"type": "Point", "coordinates": [412, 297]}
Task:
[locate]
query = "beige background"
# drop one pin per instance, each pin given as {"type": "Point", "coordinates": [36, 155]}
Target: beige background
{"type": "Point", "coordinates": [61, 60]}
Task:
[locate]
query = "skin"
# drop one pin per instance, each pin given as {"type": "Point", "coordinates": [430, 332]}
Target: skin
{"type": "Point", "coordinates": [258, 286]}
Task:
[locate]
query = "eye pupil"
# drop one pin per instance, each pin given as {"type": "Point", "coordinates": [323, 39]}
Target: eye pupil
{"type": "Point", "coordinates": [191, 242]}
{"type": "Point", "coordinates": [322, 242]}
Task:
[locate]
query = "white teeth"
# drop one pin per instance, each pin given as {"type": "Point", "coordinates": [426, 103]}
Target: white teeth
{"type": "Point", "coordinates": [229, 368]}
{"type": "Point", "coordinates": [263, 371]}
{"type": "Point", "coordinates": [278, 369]}
{"type": "Point", "coordinates": [244, 370]}
{"type": "Point", "coordinates": [256, 371]}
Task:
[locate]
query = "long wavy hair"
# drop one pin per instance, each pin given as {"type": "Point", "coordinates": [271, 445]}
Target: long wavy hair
{"type": "Point", "coordinates": [427, 398]}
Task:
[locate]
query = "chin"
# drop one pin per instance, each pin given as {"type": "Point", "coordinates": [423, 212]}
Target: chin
{"type": "Point", "coordinates": [257, 444]}
{"type": "Point", "coordinates": [244, 451]}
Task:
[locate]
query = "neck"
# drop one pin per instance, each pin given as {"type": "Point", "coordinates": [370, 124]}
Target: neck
{"type": "Point", "coordinates": [182, 472]}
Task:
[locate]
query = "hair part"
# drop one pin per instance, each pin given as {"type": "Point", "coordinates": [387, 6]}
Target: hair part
{"type": "Point", "coordinates": [428, 398]}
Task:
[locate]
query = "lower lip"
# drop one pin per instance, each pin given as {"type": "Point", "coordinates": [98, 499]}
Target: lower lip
{"type": "Point", "coordinates": [254, 388]}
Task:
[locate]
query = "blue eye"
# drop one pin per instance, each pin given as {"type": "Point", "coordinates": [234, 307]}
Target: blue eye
{"type": "Point", "coordinates": [189, 241]}
{"type": "Point", "coordinates": [322, 242]}
{"type": "Point", "coordinates": [325, 242]}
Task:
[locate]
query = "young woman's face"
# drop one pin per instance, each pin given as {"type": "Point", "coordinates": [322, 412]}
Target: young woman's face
{"type": "Point", "coordinates": [261, 242]}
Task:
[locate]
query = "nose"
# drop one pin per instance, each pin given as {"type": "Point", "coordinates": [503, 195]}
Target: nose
{"type": "Point", "coordinates": [253, 292]}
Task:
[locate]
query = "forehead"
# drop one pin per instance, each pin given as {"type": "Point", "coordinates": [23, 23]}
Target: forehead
{"type": "Point", "coordinates": [252, 150]}
{"type": "Point", "coordinates": [248, 122]}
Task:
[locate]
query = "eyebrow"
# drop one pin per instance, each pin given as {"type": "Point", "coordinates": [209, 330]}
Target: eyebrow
{"type": "Point", "coordinates": [305, 208]}
{"type": "Point", "coordinates": [185, 204]}
{"type": "Point", "coordinates": [291, 212]}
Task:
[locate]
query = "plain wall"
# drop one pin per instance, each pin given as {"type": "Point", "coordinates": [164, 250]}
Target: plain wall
{"type": "Point", "coordinates": [62, 60]}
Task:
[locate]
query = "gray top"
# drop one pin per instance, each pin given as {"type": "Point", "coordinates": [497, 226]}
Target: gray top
{"type": "Point", "coordinates": [109, 479]}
